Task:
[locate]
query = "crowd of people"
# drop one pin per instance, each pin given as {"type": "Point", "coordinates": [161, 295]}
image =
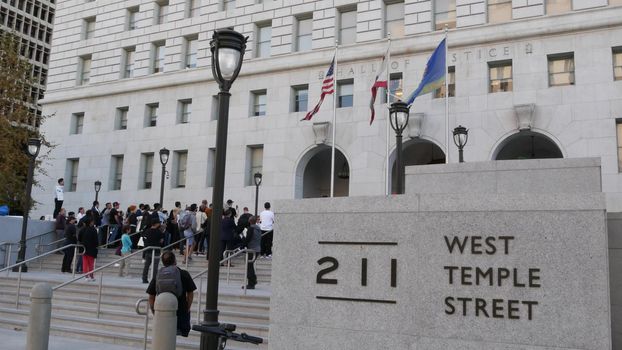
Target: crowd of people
{"type": "Point", "coordinates": [151, 228]}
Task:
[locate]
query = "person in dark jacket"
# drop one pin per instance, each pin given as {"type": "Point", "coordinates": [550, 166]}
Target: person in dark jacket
{"type": "Point", "coordinates": [243, 221]}
{"type": "Point", "coordinates": [153, 238]}
{"type": "Point", "coordinates": [70, 238]}
{"type": "Point", "coordinates": [88, 238]}
{"type": "Point", "coordinates": [228, 231]}
{"type": "Point", "coordinates": [252, 241]}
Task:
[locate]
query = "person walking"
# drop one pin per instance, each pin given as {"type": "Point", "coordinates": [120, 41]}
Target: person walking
{"type": "Point", "coordinates": [172, 227]}
{"type": "Point", "coordinates": [59, 225]}
{"type": "Point", "coordinates": [70, 238]}
{"type": "Point", "coordinates": [189, 226]}
{"type": "Point", "coordinates": [201, 221]}
{"type": "Point", "coordinates": [59, 195]}
{"type": "Point", "coordinates": [266, 219]}
{"type": "Point", "coordinates": [126, 249]}
{"type": "Point", "coordinates": [184, 292]}
{"type": "Point", "coordinates": [228, 231]}
{"type": "Point", "coordinates": [153, 238]}
{"type": "Point", "coordinates": [88, 238]}
{"type": "Point", "coordinates": [252, 241]}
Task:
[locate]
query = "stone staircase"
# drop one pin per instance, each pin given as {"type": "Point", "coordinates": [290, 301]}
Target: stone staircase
{"type": "Point", "coordinates": [74, 307]}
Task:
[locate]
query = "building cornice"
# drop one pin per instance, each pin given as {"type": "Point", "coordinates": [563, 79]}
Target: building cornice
{"type": "Point", "coordinates": [579, 21]}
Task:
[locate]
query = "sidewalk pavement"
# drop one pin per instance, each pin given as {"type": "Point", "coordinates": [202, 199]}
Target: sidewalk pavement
{"type": "Point", "coordinates": [12, 339]}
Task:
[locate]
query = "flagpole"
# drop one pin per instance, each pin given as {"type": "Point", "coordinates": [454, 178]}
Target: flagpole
{"type": "Point", "coordinates": [446, 98]}
{"type": "Point", "coordinates": [332, 159]}
{"type": "Point", "coordinates": [387, 173]}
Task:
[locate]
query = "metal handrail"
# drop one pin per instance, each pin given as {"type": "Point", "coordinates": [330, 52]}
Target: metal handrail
{"type": "Point", "coordinates": [38, 249]}
{"type": "Point", "coordinates": [146, 313]}
{"type": "Point", "coordinates": [101, 275]}
{"type": "Point", "coordinates": [21, 264]}
{"type": "Point", "coordinates": [232, 254]}
{"type": "Point", "coordinates": [11, 244]}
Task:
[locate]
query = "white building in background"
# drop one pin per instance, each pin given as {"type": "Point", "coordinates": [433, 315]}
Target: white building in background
{"type": "Point", "coordinates": [530, 79]}
{"type": "Point", "coordinates": [31, 21]}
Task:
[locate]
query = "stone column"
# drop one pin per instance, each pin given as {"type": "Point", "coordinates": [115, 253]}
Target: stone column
{"type": "Point", "coordinates": [40, 315]}
{"type": "Point", "coordinates": [165, 322]}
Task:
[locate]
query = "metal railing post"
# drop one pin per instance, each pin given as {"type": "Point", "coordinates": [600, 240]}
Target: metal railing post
{"type": "Point", "coordinates": [9, 259]}
{"type": "Point", "coordinates": [19, 286]}
{"type": "Point", "coordinates": [74, 261]}
{"type": "Point", "coordinates": [146, 319]}
{"type": "Point", "coordinates": [152, 270]}
{"type": "Point", "coordinates": [245, 282]}
{"type": "Point", "coordinates": [200, 293]}
{"type": "Point", "coordinates": [99, 293]}
{"type": "Point", "coordinates": [228, 266]}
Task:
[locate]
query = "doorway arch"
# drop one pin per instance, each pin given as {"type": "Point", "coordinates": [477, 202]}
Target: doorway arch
{"type": "Point", "coordinates": [313, 174]}
{"type": "Point", "coordinates": [527, 144]}
{"type": "Point", "coordinates": [417, 151]}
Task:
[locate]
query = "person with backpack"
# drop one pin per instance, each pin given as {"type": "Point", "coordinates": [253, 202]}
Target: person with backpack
{"type": "Point", "coordinates": [153, 238]}
{"type": "Point", "coordinates": [189, 226]}
{"type": "Point", "coordinates": [172, 279]}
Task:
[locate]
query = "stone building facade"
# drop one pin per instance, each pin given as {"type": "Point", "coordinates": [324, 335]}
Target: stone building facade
{"type": "Point", "coordinates": [31, 21]}
{"type": "Point", "coordinates": [529, 79]}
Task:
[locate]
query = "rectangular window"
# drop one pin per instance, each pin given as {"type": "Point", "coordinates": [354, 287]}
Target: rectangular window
{"type": "Point", "coordinates": [264, 36]}
{"type": "Point", "coordinates": [347, 26]}
{"type": "Point", "coordinates": [499, 11]}
{"type": "Point", "coordinates": [561, 69]}
{"type": "Point", "coordinates": [89, 28]}
{"type": "Point", "coordinates": [260, 99]}
{"type": "Point", "coordinates": [158, 57]}
{"type": "Point", "coordinates": [214, 115]}
{"type": "Point", "coordinates": [211, 166]}
{"type": "Point", "coordinates": [345, 93]}
{"type": "Point", "coordinates": [617, 63]}
{"type": "Point", "coordinates": [121, 118]}
{"type": "Point", "coordinates": [128, 71]}
{"type": "Point", "coordinates": [132, 15]}
{"type": "Point", "coordinates": [444, 14]}
{"type": "Point", "coordinates": [147, 170]}
{"type": "Point", "coordinates": [228, 5]}
{"type": "Point", "coordinates": [194, 8]}
{"type": "Point", "coordinates": [500, 74]}
{"type": "Point", "coordinates": [72, 174]}
{"type": "Point", "coordinates": [554, 7]}
{"type": "Point", "coordinates": [152, 115]}
{"type": "Point", "coordinates": [192, 45]}
{"type": "Point", "coordinates": [451, 84]}
{"type": "Point", "coordinates": [117, 173]}
{"type": "Point", "coordinates": [162, 11]}
{"type": "Point", "coordinates": [394, 19]}
{"type": "Point", "coordinates": [396, 87]}
{"type": "Point", "coordinates": [85, 72]}
{"type": "Point", "coordinates": [301, 98]}
{"type": "Point", "coordinates": [303, 33]}
{"type": "Point", "coordinates": [180, 168]}
{"type": "Point", "coordinates": [254, 163]}
{"type": "Point", "coordinates": [184, 111]}
{"type": "Point", "coordinates": [77, 123]}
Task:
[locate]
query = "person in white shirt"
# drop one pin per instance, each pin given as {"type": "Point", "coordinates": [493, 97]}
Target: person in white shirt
{"type": "Point", "coordinates": [59, 196]}
{"type": "Point", "coordinates": [267, 230]}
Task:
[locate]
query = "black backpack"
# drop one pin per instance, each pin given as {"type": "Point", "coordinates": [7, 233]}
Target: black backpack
{"type": "Point", "coordinates": [169, 281]}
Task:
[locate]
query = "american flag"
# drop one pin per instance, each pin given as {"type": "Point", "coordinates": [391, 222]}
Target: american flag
{"type": "Point", "coordinates": [328, 88]}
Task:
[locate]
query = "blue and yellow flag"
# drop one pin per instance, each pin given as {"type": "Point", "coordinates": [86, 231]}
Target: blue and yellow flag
{"type": "Point", "coordinates": [434, 74]}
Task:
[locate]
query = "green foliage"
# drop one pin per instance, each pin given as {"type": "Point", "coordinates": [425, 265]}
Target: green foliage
{"type": "Point", "coordinates": [18, 123]}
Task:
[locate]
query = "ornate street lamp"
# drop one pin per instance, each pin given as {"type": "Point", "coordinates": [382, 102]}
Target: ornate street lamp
{"type": "Point", "coordinates": [98, 187]}
{"type": "Point", "coordinates": [227, 47]}
{"type": "Point", "coordinates": [163, 160]}
{"type": "Point", "coordinates": [461, 136]}
{"type": "Point", "coordinates": [32, 150]}
{"type": "Point", "coordinates": [399, 112]}
{"type": "Point", "coordinates": [257, 179]}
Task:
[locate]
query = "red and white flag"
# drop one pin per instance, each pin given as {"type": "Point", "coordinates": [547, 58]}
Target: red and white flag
{"type": "Point", "coordinates": [328, 88]}
{"type": "Point", "coordinates": [380, 82]}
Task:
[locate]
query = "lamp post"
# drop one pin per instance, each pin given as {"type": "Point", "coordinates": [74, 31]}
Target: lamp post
{"type": "Point", "coordinates": [98, 187]}
{"type": "Point", "coordinates": [461, 136]}
{"type": "Point", "coordinates": [32, 149]}
{"type": "Point", "coordinates": [164, 153]}
{"type": "Point", "coordinates": [399, 120]}
{"type": "Point", "coordinates": [257, 183]}
{"type": "Point", "coordinates": [227, 47]}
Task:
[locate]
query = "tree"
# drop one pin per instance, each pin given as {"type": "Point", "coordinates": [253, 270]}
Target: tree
{"type": "Point", "coordinates": [18, 123]}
